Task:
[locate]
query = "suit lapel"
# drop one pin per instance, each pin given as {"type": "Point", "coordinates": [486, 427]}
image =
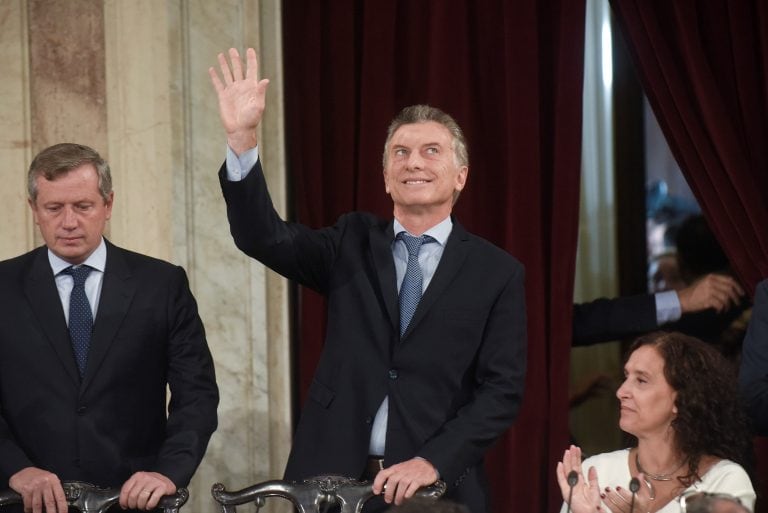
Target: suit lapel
{"type": "Point", "coordinates": [381, 248]}
{"type": "Point", "coordinates": [44, 300]}
{"type": "Point", "coordinates": [117, 291]}
{"type": "Point", "coordinates": [454, 255]}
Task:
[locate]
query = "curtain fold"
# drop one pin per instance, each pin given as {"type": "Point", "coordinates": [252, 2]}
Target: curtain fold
{"type": "Point", "coordinates": [511, 75]}
{"type": "Point", "coordinates": [704, 68]}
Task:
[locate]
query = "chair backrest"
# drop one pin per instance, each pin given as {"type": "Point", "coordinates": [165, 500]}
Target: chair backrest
{"type": "Point", "coordinates": [89, 498]}
{"type": "Point", "coordinates": [311, 494]}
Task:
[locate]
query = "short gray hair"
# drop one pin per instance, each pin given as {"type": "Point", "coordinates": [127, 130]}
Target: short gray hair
{"type": "Point", "coordinates": [424, 114]}
{"type": "Point", "coordinates": [60, 159]}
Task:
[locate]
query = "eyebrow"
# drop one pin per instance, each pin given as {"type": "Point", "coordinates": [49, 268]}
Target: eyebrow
{"type": "Point", "coordinates": [638, 372]}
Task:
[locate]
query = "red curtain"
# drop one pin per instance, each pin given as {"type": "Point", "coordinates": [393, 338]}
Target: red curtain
{"type": "Point", "coordinates": [511, 74]}
{"type": "Point", "coordinates": [704, 67]}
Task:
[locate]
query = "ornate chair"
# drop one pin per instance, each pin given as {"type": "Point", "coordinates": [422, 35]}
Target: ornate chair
{"type": "Point", "coordinates": [311, 494]}
{"type": "Point", "coordinates": [92, 499]}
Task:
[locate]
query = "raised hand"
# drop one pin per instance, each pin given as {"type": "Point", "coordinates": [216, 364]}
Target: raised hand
{"type": "Point", "coordinates": [241, 98]}
{"type": "Point", "coordinates": [586, 492]}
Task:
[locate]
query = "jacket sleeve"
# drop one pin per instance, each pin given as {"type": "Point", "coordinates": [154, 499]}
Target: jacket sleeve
{"type": "Point", "coordinates": [191, 378]}
{"type": "Point", "coordinates": [605, 319]}
{"type": "Point", "coordinates": [290, 249]}
{"type": "Point", "coordinates": [753, 374]}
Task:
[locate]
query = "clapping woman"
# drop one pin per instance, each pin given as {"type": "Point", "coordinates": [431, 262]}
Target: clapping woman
{"type": "Point", "coordinates": [679, 401]}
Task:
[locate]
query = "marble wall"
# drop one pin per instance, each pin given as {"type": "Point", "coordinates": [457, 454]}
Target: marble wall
{"type": "Point", "coordinates": [129, 77]}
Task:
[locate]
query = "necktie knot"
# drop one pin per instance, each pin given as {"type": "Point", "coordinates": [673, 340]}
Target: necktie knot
{"type": "Point", "coordinates": [413, 243]}
{"type": "Point", "coordinates": [79, 273]}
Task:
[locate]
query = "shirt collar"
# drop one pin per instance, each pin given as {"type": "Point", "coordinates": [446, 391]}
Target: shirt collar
{"type": "Point", "coordinates": [439, 232]}
{"type": "Point", "coordinates": [97, 259]}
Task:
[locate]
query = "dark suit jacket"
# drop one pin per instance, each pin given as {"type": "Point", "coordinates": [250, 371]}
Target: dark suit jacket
{"type": "Point", "coordinates": [753, 375]}
{"type": "Point", "coordinates": [454, 380]}
{"type": "Point", "coordinates": [146, 333]}
{"type": "Point", "coordinates": [603, 320]}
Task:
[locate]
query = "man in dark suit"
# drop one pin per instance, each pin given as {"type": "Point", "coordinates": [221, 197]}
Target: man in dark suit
{"type": "Point", "coordinates": [753, 374]}
{"type": "Point", "coordinates": [90, 336]}
{"type": "Point", "coordinates": [418, 386]}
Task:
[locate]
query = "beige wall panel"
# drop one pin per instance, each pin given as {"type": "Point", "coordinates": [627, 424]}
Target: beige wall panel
{"type": "Point", "coordinates": [66, 59]}
{"type": "Point", "coordinates": [248, 308]}
{"type": "Point", "coordinates": [145, 139]}
{"type": "Point", "coordinates": [16, 233]}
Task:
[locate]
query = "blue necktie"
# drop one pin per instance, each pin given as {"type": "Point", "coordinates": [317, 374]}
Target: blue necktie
{"type": "Point", "coordinates": [80, 316]}
{"type": "Point", "coordinates": [410, 289]}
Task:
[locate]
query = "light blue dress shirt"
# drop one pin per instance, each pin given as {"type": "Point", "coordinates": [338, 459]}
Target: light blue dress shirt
{"type": "Point", "coordinates": [64, 282]}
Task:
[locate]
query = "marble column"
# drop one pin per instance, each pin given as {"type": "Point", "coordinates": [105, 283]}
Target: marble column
{"type": "Point", "coordinates": [17, 232]}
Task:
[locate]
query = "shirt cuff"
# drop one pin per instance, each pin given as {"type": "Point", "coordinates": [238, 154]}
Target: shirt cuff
{"type": "Point", "coordinates": [238, 167]}
{"type": "Point", "coordinates": [667, 307]}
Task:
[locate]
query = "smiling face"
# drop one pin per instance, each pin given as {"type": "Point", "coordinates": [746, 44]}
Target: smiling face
{"type": "Point", "coordinates": [71, 213]}
{"type": "Point", "coordinates": [647, 400]}
{"type": "Point", "coordinates": [421, 172]}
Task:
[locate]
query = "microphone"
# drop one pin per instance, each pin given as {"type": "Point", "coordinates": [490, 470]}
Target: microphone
{"type": "Point", "coordinates": [573, 478]}
{"type": "Point", "coordinates": [634, 486]}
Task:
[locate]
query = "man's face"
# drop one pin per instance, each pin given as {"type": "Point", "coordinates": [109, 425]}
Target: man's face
{"type": "Point", "coordinates": [71, 213]}
{"type": "Point", "coordinates": [421, 171]}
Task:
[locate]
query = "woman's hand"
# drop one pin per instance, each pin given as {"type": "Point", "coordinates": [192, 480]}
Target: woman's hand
{"type": "Point", "coordinates": [585, 497]}
{"type": "Point", "coordinates": [619, 499]}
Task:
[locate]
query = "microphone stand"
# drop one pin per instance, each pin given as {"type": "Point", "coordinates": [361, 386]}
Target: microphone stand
{"type": "Point", "coordinates": [573, 478]}
{"type": "Point", "coordinates": [634, 486]}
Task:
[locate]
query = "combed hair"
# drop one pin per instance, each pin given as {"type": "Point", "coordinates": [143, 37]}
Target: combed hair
{"type": "Point", "coordinates": [424, 114]}
{"type": "Point", "coordinates": [59, 159]}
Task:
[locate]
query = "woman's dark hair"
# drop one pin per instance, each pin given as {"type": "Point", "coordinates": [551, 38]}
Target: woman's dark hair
{"type": "Point", "coordinates": [710, 419]}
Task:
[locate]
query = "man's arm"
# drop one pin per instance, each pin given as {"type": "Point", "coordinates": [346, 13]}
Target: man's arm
{"type": "Point", "coordinates": [192, 409]}
{"type": "Point", "coordinates": [605, 319]}
{"type": "Point", "coordinates": [753, 374]}
{"type": "Point", "coordinates": [192, 382]}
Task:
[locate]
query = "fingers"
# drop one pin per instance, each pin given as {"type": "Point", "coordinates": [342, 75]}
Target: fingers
{"type": "Point", "coordinates": [217, 85]}
{"type": "Point", "coordinates": [237, 65]}
{"type": "Point", "coordinates": [144, 490]}
{"type": "Point", "coordinates": [40, 490]}
{"type": "Point", "coordinates": [55, 500]}
{"type": "Point", "coordinates": [252, 70]}
{"type": "Point", "coordinates": [715, 291]}
{"type": "Point", "coordinates": [401, 481]}
{"type": "Point", "coordinates": [232, 70]}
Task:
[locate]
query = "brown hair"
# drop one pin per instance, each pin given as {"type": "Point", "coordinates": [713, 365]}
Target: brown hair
{"type": "Point", "coordinates": [710, 417]}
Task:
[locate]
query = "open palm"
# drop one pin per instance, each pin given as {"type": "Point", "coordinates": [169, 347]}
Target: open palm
{"type": "Point", "coordinates": [241, 98]}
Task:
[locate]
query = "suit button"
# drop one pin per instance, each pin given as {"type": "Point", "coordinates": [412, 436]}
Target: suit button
{"type": "Point", "coordinates": [81, 410]}
{"type": "Point", "coordinates": [393, 374]}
